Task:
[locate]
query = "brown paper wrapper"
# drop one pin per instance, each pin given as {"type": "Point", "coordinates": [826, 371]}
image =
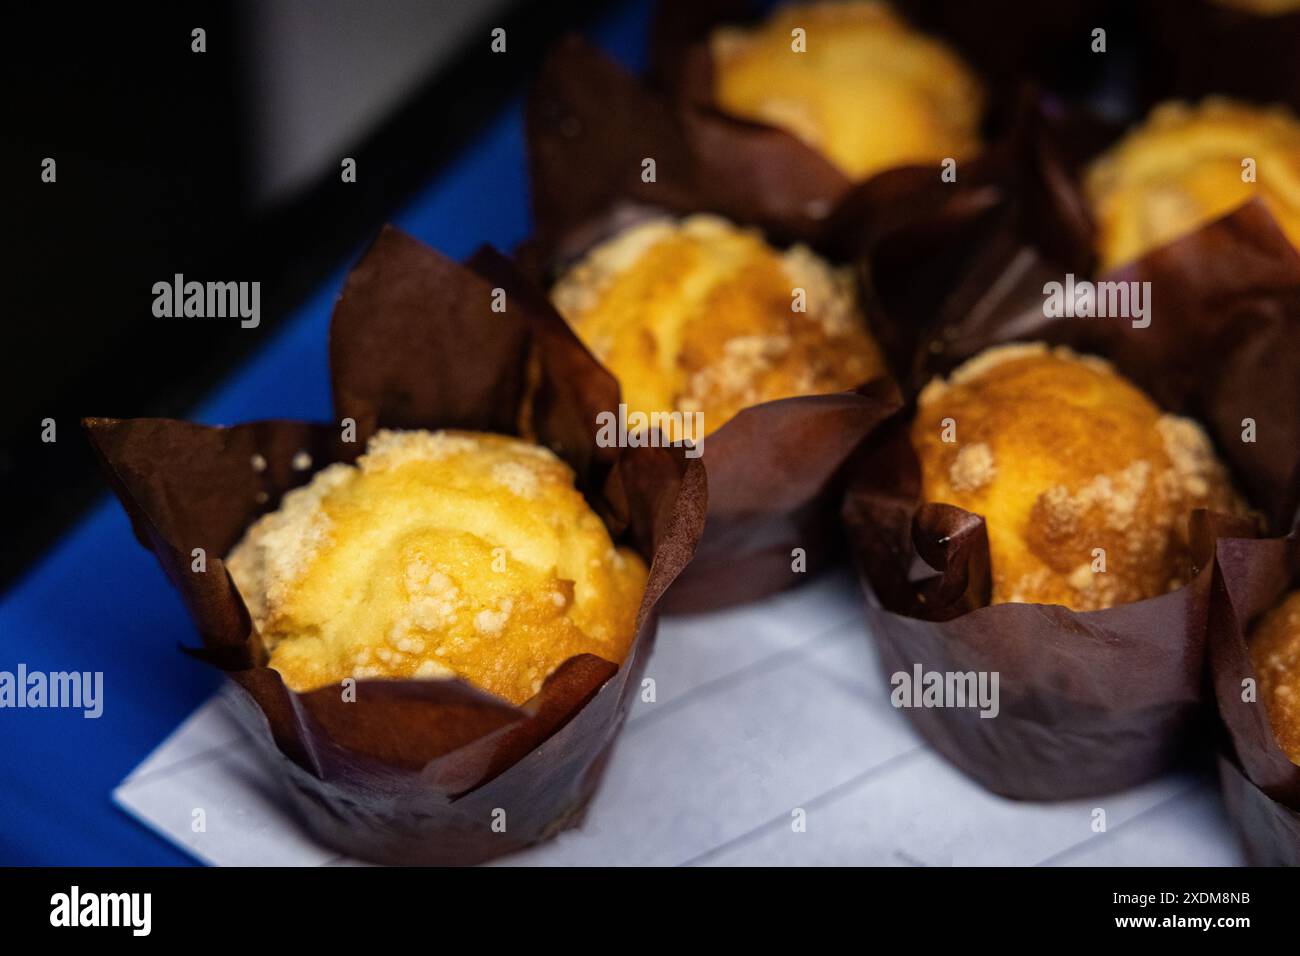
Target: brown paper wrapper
{"type": "Point", "coordinates": [1195, 48]}
{"type": "Point", "coordinates": [590, 124]}
{"type": "Point", "coordinates": [412, 772]}
{"type": "Point", "coordinates": [1261, 785]}
{"type": "Point", "coordinates": [1091, 702]}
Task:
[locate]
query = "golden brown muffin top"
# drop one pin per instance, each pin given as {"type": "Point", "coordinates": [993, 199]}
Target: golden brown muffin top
{"type": "Point", "coordinates": [1275, 652]}
{"type": "Point", "coordinates": [438, 554]}
{"type": "Point", "coordinates": [1061, 455]}
{"type": "Point", "coordinates": [1183, 168]}
{"type": "Point", "coordinates": [699, 316]}
{"type": "Point", "coordinates": [868, 92]}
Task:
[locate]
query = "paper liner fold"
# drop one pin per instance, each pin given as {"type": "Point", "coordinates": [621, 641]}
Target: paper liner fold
{"type": "Point", "coordinates": [411, 771]}
{"type": "Point", "coordinates": [591, 125]}
{"type": "Point", "coordinates": [1260, 783]}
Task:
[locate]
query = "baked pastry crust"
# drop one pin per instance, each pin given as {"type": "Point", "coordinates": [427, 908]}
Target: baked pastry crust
{"type": "Point", "coordinates": [869, 92]}
{"type": "Point", "coordinates": [698, 316]}
{"type": "Point", "coordinates": [1061, 455]}
{"type": "Point", "coordinates": [1182, 168]}
{"type": "Point", "coordinates": [1275, 652]}
{"type": "Point", "coordinates": [438, 554]}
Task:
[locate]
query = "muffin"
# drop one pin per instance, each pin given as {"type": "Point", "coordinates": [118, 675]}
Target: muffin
{"type": "Point", "coordinates": [1183, 168]}
{"type": "Point", "coordinates": [1062, 456]}
{"type": "Point", "coordinates": [868, 92]}
{"type": "Point", "coordinates": [1275, 652]}
{"type": "Point", "coordinates": [700, 317]}
{"type": "Point", "coordinates": [438, 554]}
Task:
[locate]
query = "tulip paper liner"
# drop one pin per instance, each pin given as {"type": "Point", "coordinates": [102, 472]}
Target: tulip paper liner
{"type": "Point", "coordinates": [1261, 785]}
{"type": "Point", "coordinates": [1088, 703]}
{"type": "Point", "coordinates": [1194, 48]}
{"type": "Point", "coordinates": [411, 771]}
{"type": "Point", "coordinates": [591, 124]}
{"type": "Point", "coordinates": [1091, 702]}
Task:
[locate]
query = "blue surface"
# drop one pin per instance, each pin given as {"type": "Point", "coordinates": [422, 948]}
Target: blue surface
{"type": "Point", "coordinates": [98, 602]}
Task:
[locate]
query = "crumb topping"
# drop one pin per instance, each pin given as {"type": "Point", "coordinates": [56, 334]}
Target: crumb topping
{"type": "Point", "coordinates": [438, 554]}
{"type": "Point", "coordinates": [973, 468]}
{"type": "Point", "coordinates": [390, 449]}
{"type": "Point", "coordinates": [699, 315]}
{"type": "Point", "coordinates": [1086, 487]}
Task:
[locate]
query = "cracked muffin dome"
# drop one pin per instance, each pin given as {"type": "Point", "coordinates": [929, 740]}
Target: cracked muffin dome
{"type": "Point", "coordinates": [1183, 168]}
{"type": "Point", "coordinates": [699, 315]}
{"type": "Point", "coordinates": [868, 92]}
{"type": "Point", "coordinates": [1275, 652]}
{"type": "Point", "coordinates": [438, 554]}
{"type": "Point", "coordinates": [1061, 455]}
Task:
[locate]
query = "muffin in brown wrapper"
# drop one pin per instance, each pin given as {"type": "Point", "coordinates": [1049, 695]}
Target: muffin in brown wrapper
{"type": "Point", "coordinates": [1095, 701]}
{"type": "Point", "coordinates": [1089, 702]}
{"type": "Point", "coordinates": [764, 174]}
{"type": "Point", "coordinates": [1193, 48]}
{"type": "Point", "coordinates": [1261, 784]}
{"type": "Point", "coordinates": [410, 771]}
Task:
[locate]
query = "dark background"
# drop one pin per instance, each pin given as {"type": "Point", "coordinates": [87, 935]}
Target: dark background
{"type": "Point", "coordinates": [223, 166]}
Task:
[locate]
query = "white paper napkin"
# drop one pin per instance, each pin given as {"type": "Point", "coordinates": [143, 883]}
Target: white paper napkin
{"type": "Point", "coordinates": [764, 716]}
